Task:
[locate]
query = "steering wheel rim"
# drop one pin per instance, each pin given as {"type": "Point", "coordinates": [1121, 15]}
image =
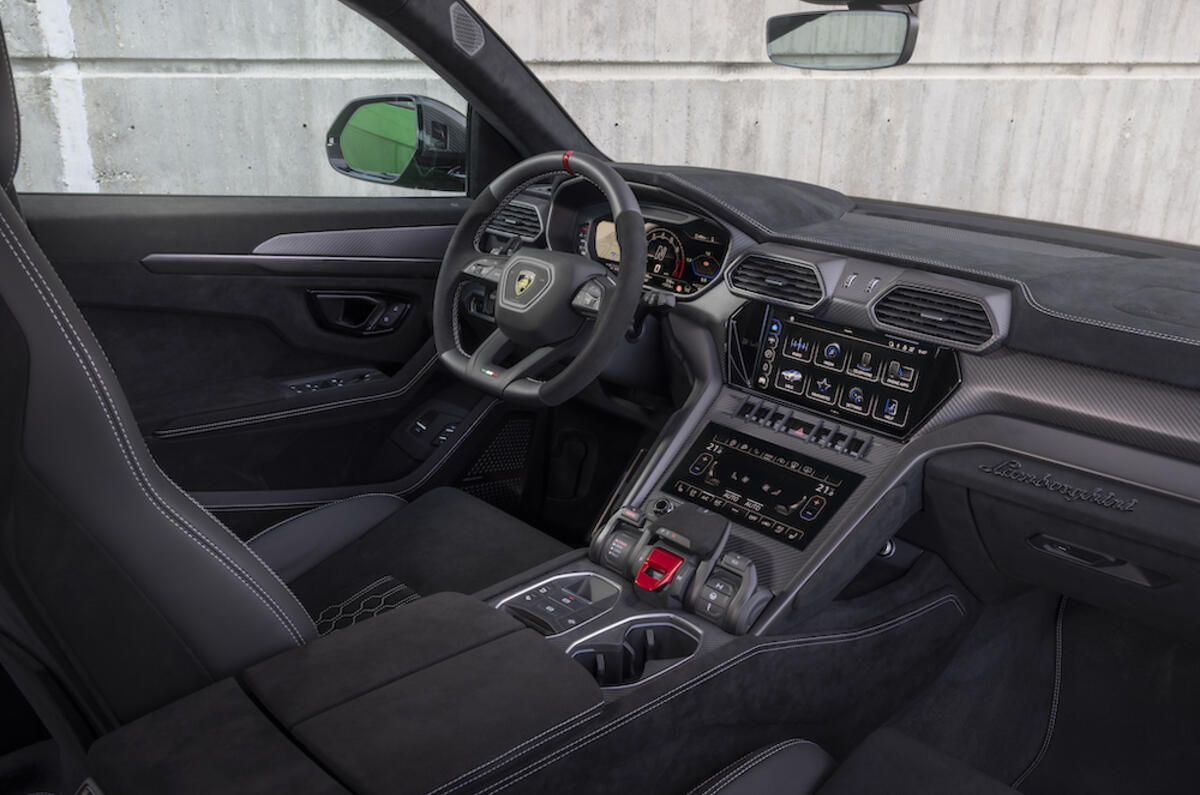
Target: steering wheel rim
{"type": "Point", "coordinates": [537, 313]}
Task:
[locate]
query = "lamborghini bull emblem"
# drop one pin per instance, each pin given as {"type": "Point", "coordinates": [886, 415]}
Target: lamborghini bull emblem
{"type": "Point", "coordinates": [524, 281]}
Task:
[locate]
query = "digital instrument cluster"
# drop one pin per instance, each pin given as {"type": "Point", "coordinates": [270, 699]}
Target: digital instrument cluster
{"type": "Point", "coordinates": [683, 257]}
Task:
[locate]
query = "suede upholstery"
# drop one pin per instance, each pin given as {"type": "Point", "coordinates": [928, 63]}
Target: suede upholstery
{"type": "Point", "coordinates": [445, 540]}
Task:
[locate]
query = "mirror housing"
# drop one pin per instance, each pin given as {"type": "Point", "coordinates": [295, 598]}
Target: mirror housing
{"type": "Point", "coordinates": [400, 139]}
{"type": "Point", "coordinates": [865, 36]}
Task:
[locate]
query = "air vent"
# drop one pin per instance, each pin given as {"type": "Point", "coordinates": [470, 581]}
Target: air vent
{"type": "Point", "coordinates": [954, 319]}
{"type": "Point", "coordinates": [776, 280]}
{"type": "Point", "coordinates": [517, 220]}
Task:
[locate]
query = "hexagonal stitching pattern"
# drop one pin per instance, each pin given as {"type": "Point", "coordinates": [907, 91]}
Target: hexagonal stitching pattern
{"type": "Point", "coordinates": [380, 596]}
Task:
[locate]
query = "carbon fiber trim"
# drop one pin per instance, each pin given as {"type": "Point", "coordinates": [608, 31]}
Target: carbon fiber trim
{"type": "Point", "coordinates": [412, 242]}
{"type": "Point", "coordinates": [1106, 405]}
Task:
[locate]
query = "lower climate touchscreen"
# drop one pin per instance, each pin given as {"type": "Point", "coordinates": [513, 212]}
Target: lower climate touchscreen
{"type": "Point", "coordinates": [777, 492]}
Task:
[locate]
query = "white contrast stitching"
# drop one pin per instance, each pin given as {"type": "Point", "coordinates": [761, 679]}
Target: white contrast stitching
{"type": "Point", "coordinates": [1056, 692]}
{"type": "Point", "coordinates": [479, 770]}
{"type": "Point", "coordinates": [321, 507]}
{"type": "Point", "coordinates": [704, 676]}
{"type": "Point", "coordinates": [739, 770]}
{"type": "Point", "coordinates": [76, 344]}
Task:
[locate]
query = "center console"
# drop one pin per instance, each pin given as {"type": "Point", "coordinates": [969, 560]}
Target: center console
{"type": "Point", "coordinates": [789, 450]}
{"type": "Point", "coordinates": [749, 490]}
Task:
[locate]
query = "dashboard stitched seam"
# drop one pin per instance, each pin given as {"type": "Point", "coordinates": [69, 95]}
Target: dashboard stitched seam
{"type": "Point", "coordinates": [271, 416]}
{"type": "Point", "coordinates": [895, 255]}
{"type": "Point", "coordinates": [701, 678]}
{"type": "Point", "coordinates": [76, 344]}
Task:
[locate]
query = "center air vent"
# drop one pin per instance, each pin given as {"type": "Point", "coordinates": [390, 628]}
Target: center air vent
{"type": "Point", "coordinates": [780, 281]}
{"type": "Point", "coordinates": [935, 315]}
{"type": "Point", "coordinates": [517, 220]}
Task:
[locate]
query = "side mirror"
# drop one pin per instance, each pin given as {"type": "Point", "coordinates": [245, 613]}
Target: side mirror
{"type": "Point", "coordinates": [403, 140]}
{"type": "Point", "coordinates": [852, 39]}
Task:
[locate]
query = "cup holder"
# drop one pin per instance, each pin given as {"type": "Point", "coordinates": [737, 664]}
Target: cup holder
{"type": "Point", "coordinates": [645, 648]}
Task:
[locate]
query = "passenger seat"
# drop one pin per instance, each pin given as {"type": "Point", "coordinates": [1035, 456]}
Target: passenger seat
{"type": "Point", "coordinates": [886, 762]}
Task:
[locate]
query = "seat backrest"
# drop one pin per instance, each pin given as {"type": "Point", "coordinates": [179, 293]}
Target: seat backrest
{"type": "Point", "coordinates": [136, 593]}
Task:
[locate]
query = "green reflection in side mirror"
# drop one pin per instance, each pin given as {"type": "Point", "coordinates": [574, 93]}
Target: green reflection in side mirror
{"type": "Point", "coordinates": [380, 137]}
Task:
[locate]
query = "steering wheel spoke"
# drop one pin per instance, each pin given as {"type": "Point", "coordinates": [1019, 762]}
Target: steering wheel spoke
{"type": "Point", "coordinates": [486, 268]}
{"type": "Point", "coordinates": [484, 361]}
{"type": "Point", "coordinates": [588, 301]}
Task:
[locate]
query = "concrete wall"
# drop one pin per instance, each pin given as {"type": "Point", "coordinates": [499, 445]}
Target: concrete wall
{"type": "Point", "coordinates": [1076, 111]}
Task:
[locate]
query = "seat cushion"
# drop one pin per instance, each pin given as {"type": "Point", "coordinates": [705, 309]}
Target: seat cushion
{"type": "Point", "coordinates": [893, 763]}
{"type": "Point", "coordinates": [792, 767]}
{"type": "Point", "coordinates": [446, 540]}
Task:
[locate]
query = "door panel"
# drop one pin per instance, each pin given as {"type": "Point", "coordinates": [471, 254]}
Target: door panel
{"type": "Point", "coordinates": [265, 344]}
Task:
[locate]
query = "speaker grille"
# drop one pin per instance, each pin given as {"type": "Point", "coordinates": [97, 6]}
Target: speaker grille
{"type": "Point", "coordinates": [466, 30]}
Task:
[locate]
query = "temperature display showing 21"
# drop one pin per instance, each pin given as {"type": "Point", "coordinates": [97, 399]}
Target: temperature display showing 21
{"type": "Point", "coordinates": [775, 491]}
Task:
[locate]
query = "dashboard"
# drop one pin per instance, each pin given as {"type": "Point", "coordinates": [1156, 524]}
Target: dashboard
{"type": "Point", "coordinates": [846, 348]}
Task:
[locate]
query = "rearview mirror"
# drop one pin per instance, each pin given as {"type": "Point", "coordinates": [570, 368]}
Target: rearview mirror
{"type": "Point", "coordinates": [403, 140]}
{"type": "Point", "coordinates": [854, 39]}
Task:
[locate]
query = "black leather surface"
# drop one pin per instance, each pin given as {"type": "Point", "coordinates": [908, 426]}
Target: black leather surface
{"type": "Point", "coordinates": [792, 767]}
{"type": "Point", "coordinates": [78, 470]}
{"type": "Point", "coordinates": [892, 763]}
{"type": "Point", "coordinates": [296, 545]}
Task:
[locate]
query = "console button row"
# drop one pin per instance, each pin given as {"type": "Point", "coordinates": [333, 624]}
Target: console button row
{"type": "Point", "coordinates": [811, 510]}
{"type": "Point", "coordinates": [557, 607]}
{"type": "Point", "coordinates": [783, 420]}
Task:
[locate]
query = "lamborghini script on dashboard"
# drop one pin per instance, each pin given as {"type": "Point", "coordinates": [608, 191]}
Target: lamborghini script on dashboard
{"type": "Point", "coordinates": [1012, 470]}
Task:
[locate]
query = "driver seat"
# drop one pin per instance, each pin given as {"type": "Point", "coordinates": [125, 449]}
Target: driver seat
{"type": "Point", "coordinates": [118, 592]}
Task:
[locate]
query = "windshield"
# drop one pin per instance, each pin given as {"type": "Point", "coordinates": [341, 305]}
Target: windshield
{"type": "Point", "coordinates": [1079, 113]}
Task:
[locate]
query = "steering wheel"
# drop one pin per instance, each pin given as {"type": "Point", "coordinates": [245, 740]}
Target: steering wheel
{"type": "Point", "coordinates": [550, 305]}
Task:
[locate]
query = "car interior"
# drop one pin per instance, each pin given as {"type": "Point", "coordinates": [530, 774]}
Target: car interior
{"type": "Point", "coordinates": [586, 475]}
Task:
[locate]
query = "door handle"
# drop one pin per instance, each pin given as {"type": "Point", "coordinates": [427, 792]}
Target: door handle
{"type": "Point", "coordinates": [356, 313]}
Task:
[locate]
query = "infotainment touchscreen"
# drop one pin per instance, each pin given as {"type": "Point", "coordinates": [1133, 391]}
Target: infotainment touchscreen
{"type": "Point", "coordinates": [779, 493]}
{"type": "Point", "coordinates": [877, 381]}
